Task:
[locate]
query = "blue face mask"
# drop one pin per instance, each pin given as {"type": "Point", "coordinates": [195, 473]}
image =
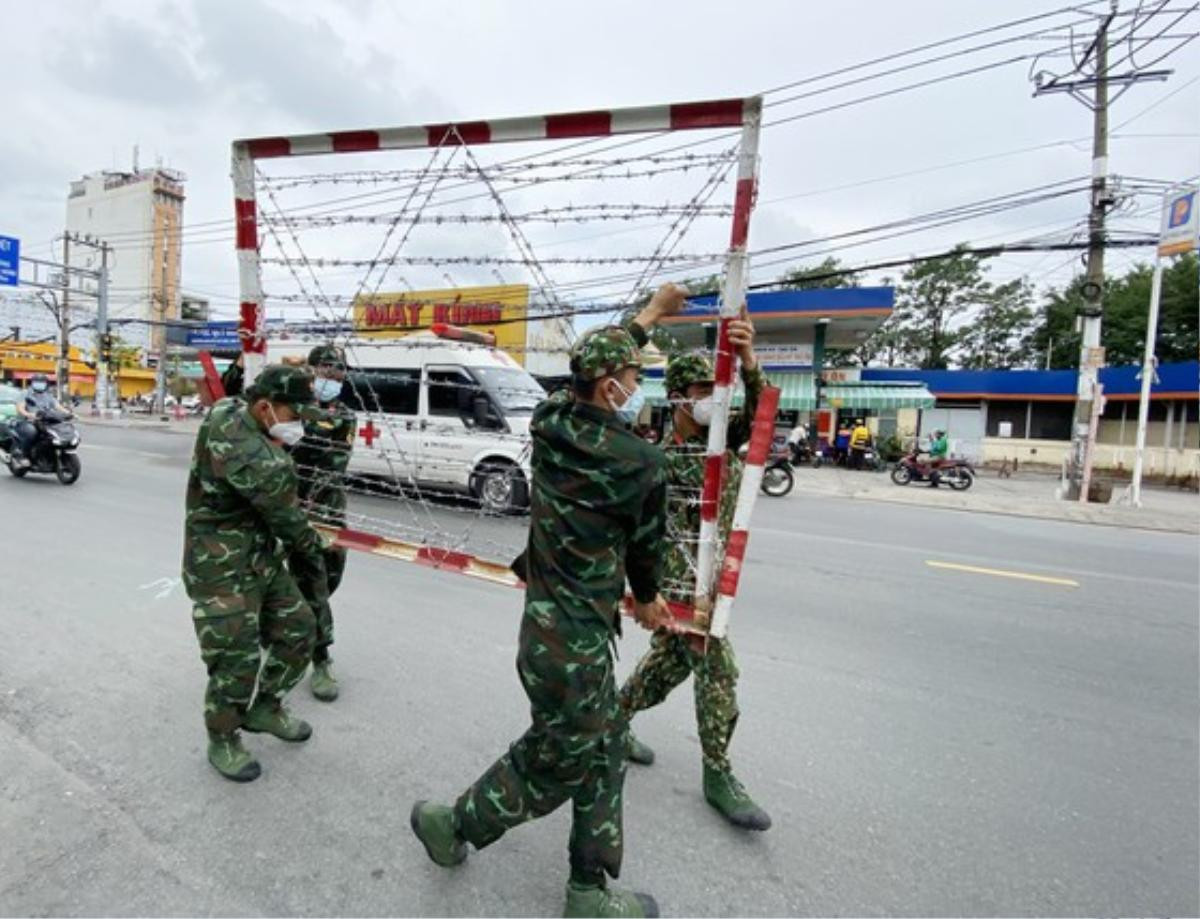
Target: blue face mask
{"type": "Point", "coordinates": [40, 386]}
{"type": "Point", "coordinates": [634, 402]}
{"type": "Point", "coordinates": [326, 389]}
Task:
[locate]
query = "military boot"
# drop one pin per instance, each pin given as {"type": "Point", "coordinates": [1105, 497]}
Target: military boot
{"type": "Point", "coordinates": [268, 716]}
{"type": "Point", "coordinates": [231, 759]}
{"type": "Point", "coordinates": [322, 683]}
{"type": "Point", "coordinates": [584, 900]}
{"type": "Point", "coordinates": [433, 824]}
{"type": "Point", "coordinates": [724, 792]}
{"type": "Point", "coordinates": [639, 753]}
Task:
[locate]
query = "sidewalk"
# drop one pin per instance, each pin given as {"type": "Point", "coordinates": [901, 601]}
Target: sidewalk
{"type": "Point", "coordinates": [1024, 495]}
{"type": "Point", "coordinates": [188, 425]}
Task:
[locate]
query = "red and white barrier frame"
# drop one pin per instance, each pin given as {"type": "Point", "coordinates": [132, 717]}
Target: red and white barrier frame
{"type": "Point", "coordinates": [739, 533]}
{"type": "Point", "coordinates": [733, 296]}
{"type": "Point", "coordinates": [690, 116]}
{"type": "Point", "coordinates": [686, 116]}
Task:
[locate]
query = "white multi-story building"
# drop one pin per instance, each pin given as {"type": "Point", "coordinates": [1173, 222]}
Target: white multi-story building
{"type": "Point", "coordinates": [139, 214]}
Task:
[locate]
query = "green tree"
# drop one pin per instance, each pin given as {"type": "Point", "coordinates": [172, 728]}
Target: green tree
{"type": "Point", "coordinates": [1126, 306]}
{"type": "Point", "coordinates": [998, 334]}
{"type": "Point", "coordinates": [829, 273]}
{"type": "Point", "coordinates": [930, 296]}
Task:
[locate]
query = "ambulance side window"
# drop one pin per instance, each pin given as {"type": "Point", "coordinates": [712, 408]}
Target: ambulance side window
{"type": "Point", "coordinates": [388, 391]}
{"type": "Point", "coordinates": [451, 391]}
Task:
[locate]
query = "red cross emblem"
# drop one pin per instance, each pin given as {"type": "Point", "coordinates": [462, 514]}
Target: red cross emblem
{"type": "Point", "coordinates": [369, 433]}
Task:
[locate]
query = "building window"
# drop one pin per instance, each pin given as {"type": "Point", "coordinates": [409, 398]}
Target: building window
{"type": "Point", "coordinates": [1051, 420]}
{"type": "Point", "coordinates": [1010, 413]}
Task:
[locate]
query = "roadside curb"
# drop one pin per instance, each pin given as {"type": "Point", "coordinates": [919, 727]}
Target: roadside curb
{"type": "Point", "coordinates": [1059, 510]}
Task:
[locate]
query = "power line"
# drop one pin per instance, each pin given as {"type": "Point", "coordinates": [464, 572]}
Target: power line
{"type": "Point", "coordinates": [225, 225]}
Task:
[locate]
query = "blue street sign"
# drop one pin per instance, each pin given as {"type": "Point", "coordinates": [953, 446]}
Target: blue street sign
{"type": "Point", "coordinates": [10, 260]}
{"type": "Point", "coordinates": [215, 336]}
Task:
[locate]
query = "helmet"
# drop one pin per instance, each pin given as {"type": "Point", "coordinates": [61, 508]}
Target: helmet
{"type": "Point", "coordinates": [327, 354]}
{"type": "Point", "coordinates": [39, 378]}
{"type": "Point", "coordinates": [685, 369]}
{"type": "Point", "coordinates": [604, 351]}
{"type": "Point", "coordinates": [289, 385]}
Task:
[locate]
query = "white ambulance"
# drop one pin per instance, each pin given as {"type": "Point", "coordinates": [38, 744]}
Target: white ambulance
{"type": "Point", "coordinates": [440, 413]}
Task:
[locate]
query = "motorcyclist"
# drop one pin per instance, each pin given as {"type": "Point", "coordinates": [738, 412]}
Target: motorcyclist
{"type": "Point", "coordinates": [938, 450]}
{"type": "Point", "coordinates": [797, 441]}
{"type": "Point", "coordinates": [38, 399]}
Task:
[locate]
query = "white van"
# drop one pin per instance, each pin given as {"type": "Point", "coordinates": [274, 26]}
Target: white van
{"type": "Point", "coordinates": [442, 415]}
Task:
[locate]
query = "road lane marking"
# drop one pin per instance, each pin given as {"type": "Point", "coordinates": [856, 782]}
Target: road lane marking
{"type": "Point", "coordinates": [893, 548]}
{"type": "Point", "coordinates": [1002, 573]}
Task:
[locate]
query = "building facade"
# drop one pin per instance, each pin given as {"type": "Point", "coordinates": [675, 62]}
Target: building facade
{"type": "Point", "coordinates": [139, 214]}
{"type": "Point", "coordinates": [1026, 415]}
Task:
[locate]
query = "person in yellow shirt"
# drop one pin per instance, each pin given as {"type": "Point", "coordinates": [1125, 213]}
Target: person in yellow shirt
{"type": "Point", "coordinates": [860, 439]}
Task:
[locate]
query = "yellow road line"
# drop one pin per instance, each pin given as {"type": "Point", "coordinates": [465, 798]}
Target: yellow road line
{"type": "Point", "coordinates": [1001, 573]}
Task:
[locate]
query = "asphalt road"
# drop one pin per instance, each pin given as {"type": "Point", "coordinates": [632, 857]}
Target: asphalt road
{"type": "Point", "coordinates": [930, 740]}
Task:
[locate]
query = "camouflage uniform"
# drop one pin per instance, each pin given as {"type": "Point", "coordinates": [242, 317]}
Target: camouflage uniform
{"type": "Point", "coordinates": [242, 520]}
{"type": "Point", "coordinates": [672, 657]}
{"type": "Point", "coordinates": [598, 516]}
{"type": "Point", "coordinates": [321, 460]}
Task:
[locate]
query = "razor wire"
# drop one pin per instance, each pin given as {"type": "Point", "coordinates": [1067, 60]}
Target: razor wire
{"type": "Point", "coordinates": [390, 469]}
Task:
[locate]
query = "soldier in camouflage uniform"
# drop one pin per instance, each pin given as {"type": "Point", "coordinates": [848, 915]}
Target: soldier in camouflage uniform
{"type": "Point", "coordinates": [321, 459]}
{"type": "Point", "coordinates": [673, 657]}
{"type": "Point", "coordinates": [243, 519]}
{"type": "Point", "coordinates": [598, 515]}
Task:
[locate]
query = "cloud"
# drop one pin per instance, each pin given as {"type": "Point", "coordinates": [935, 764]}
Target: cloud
{"type": "Point", "coordinates": [302, 67]}
{"type": "Point", "coordinates": [126, 61]}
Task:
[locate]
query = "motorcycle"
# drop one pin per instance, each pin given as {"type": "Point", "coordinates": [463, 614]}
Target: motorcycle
{"type": "Point", "coordinates": [803, 454]}
{"type": "Point", "coordinates": [959, 474]}
{"type": "Point", "coordinates": [871, 461]}
{"type": "Point", "coordinates": [777, 478]}
{"type": "Point", "coordinates": [53, 450]}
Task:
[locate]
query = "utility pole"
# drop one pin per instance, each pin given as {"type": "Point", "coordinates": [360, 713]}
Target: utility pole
{"type": "Point", "coordinates": [103, 341]}
{"type": "Point", "coordinates": [64, 326]}
{"type": "Point", "coordinates": [1091, 353]}
{"type": "Point", "coordinates": [160, 385]}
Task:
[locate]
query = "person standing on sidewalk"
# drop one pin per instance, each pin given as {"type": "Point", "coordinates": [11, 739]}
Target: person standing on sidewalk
{"type": "Point", "coordinates": [860, 440]}
{"type": "Point", "coordinates": [673, 657]}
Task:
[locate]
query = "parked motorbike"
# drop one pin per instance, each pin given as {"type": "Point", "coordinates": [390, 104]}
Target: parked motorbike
{"type": "Point", "coordinates": [777, 478]}
{"type": "Point", "coordinates": [871, 460]}
{"type": "Point", "coordinates": [803, 454]}
{"type": "Point", "coordinates": [959, 474]}
{"type": "Point", "coordinates": [53, 450]}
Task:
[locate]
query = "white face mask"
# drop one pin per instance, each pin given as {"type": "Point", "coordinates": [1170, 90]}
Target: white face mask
{"type": "Point", "coordinates": [326, 389]}
{"type": "Point", "coordinates": [702, 411]}
{"type": "Point", "coordinates": [286, 432]}
{"type": "Point", "coordinates": [632, 407]}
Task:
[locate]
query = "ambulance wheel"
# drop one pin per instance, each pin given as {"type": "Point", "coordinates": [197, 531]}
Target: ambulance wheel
{"type": "Point", "coordinates": [499, 486]}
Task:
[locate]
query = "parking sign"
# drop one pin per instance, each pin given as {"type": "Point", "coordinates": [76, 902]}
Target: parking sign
{"type": "Point", "coordinates": [10, 260]}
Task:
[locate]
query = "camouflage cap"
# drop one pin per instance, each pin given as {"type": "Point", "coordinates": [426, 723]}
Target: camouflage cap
{"type": "Point", "coordinates": [604, 351]}
{"type": "Point", "coordinates": [326, 354]}
{"type": "Point", "coordinates": [686, 369]}
{"type": "Point", "coordinates": [286, 384]}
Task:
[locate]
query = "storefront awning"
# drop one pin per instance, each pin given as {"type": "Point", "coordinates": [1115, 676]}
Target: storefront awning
{"type": "Point", "coordinates": [797, 393]}
{"type": "Point", "coordinates": [878, 397]}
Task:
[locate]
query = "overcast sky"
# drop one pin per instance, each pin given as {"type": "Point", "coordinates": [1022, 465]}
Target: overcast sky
{"type": "Point", "coordinates": [89, 80]}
